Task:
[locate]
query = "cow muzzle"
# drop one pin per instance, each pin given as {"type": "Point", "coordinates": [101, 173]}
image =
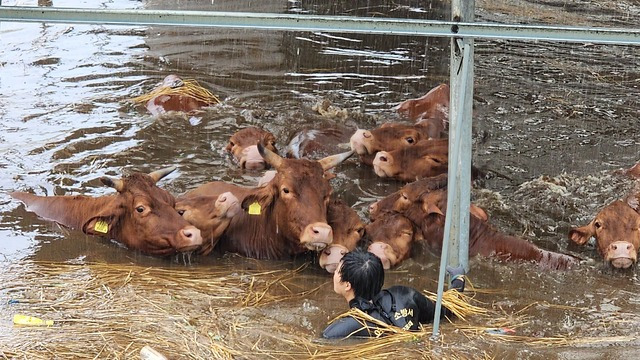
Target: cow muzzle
{"type": "Point", "coordinates": [621, 254]}
{"type": "Point", "coordinates": [251, 159]}
{"type": "Point", "coordinates": [359, 141]}
{"type": "Point", "coordinates": [189, 239]}
{"type": "Point", "coordinates": [382, 164]}
{"type": "Point", "coordinates": [381, 250]}
{"type": "Point", "coordinates": [317, 236]}
{"type": "Point", "coordinates": [330, 257]}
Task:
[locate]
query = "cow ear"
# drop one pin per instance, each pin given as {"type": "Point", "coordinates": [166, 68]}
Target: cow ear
{"type": "Point", "coordinates": [633, 202]}
{"type": "Point", "coordinates": [117, 184]}
{"type": "Point", "coordinates": [581, 234]}
{"type": "Point", "coordinates": [431, 208]}
{"type": "Point", "coordinates": [99, 225]}
{"type": "Point", "coordinates": [254, 203]}
{"type": "Point", "coordinates": [479, 213]}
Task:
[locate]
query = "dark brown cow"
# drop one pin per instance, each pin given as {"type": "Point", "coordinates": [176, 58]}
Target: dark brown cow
{"type": "Point", "coordinates": [348, 229]}
{"type": "Point", "coordinates": [210, 214]}
{"type": "Point", "coordinates": [391, 238]}
{"type": "Point", "coordinates": [173, 102]}
{"type": "Point", "coordinates": [427, 213]}
{"type": "Point", "coordinates": [318, 143]}
{"type": "Point", "coordinates": [426, 159]}
{"type": "Point", "coordinates": [242, 145]}
{"type": "Point", "coordinates": [141, 215]}
{"type": "Point", "coordinates": [616, 229]}
{"type": "Point", "coordinates": [413, 190]}
{"type": "Point", "coordinates": [284, 217]}
{"type": "Point", "coordinates": [388, 137]}
{"type": "Point", "coordinates": [430, 110]}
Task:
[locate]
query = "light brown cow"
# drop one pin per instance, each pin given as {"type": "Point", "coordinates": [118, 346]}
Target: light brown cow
{"type": "Point", "coordinates": [430, 110]}
{"type": "Point", "coordinates": [141, 215]}
{"type": "Point", "coordinates": [172, 102]}
{"type": "Point", "coordinates": [242, 145]}
{"type": "Point", "coordinates": [428, 214]}
{"type": "Point", "coordinates": [388, 137]}
{"type": "Point", "coordinates": [616, 229]}
{"type": "Point", "coordinates": [413, 190]}
{"type": "Point", "coordinates": [210, 214]}
{"type": "Point", "coordinates": [348, 229]}
{"type": "Point", "coordinates": [425, 159]}
{"type": "Point", "coordinates": [391, 238]}
{"type": "Point", "coordinates": [284, 217]}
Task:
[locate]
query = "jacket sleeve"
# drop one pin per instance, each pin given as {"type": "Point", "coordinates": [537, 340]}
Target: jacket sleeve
{"type": "Point", "coordinates": [344, 327]}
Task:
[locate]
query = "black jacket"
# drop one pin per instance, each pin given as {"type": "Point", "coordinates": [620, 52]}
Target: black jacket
{"type": "Point", "coordinates": [400, 306]}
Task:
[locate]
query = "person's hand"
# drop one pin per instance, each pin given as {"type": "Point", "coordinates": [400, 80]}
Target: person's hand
{"type": "Point", "coordinates": [455, 272]}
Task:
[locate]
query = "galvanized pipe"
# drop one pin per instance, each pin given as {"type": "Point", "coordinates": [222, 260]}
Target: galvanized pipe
{"type": "Point", "coordinates": [343, 24]}
{"type": "Point", "coordinates": [452, 191]}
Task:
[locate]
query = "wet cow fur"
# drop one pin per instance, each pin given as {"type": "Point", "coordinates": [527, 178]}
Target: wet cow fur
{"type": "Point", "coordinates": [391, 238]}
{"type": "Point", "coordinates": [348, 229]}
{"type": "Point", "coordinates": [430, 110]}
{"type": "Point", "coordinates": [318, 143]}
{"type": "Point", "coordinates": [172, 102]}
{"type": "Point", "coordinates": [210, 214]}
{"type": "Point", "coordinates": [388, 137]}
{"type": "Point", "coordinates": [292, 209]}
{"type": "Point", "coordinates": [616, 229]}
{"type": "Point", "coordinates": [426, 159]}
{"type": "Point", "coordinates": [141, 215]}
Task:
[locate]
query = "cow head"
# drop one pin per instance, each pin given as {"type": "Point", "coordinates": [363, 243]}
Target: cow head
{"type": "Point", "coordinates": [297, 198]}
{"type": "Point", "coordinates": [433, 104]}
{"type": "Point", "coordinates": [616, 229]}
{"type": "Point", "coordinates": [426, 159]}
{"type": "Point", "coordinates": [391, 239]}
{"type": "Point", "coordinates": [210, 214]}
{"type": "Point", "coordinates": [348, 229]}
{"type": "Point", "coordinates": [242, 145]}
{"type": "Point", "coordinates": [142, 216]}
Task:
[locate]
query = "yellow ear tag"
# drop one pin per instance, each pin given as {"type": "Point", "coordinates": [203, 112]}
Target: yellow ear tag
{"type": "Point", "coordinates": [255, 208]}
{"type": "Point", "coordinates": [101, 227]}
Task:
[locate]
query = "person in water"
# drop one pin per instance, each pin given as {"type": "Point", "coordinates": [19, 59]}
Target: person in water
{"type": "Point", "coordinates": [359, 278]}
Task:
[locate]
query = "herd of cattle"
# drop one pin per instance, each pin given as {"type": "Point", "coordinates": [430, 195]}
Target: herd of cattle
{"type": "Point", "coordinates": [291, 210]}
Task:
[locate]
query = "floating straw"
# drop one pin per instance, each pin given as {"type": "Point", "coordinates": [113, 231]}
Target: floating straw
{"type": "Point", "coordinates": [188, 87]}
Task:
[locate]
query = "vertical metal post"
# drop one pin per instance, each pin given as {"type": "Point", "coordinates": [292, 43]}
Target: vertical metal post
{"type": "Point", "coordinates": [456, 231]}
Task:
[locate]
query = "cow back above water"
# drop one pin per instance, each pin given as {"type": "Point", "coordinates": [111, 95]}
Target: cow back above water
{"type": "Point", "coordinates": [141, 215]}
{"type": "Point", "coordinates": [284, 217]}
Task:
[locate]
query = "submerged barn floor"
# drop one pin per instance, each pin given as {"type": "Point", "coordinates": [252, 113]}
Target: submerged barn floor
{"type": "Point", "coordinates": [554, 120]}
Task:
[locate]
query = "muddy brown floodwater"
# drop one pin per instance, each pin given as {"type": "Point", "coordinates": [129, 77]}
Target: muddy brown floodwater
{"type": "Point", "coordinates": [553, 121]}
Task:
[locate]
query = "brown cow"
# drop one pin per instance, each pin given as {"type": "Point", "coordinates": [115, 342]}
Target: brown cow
{"type": "Point", "coordinates": [172, 102]}
{"type": "Point", "coordinates": [616, 229]}
{"type": "Point", "coordinates": [414, 190]}
{"type": "Point", "coordinates": [284, 217]}
{"type": "Point", "coordinates": [427, 213]}
{"type": "Point", "coordinates": [141, 215]}
{"type": "Point", "coordinates": [388, 137]}
{"type": "Point", "coordinates": [242, 145]}
{"type": "Point", "coordinates": [425, 159]}
{"type": "Point", "coordinates": [391, 238]}
{"type": "Point", "coordinates": [348, 229]}
{"type": "Point", "coordinates": [430, 110]}
{"type": "Point", "coordinates": [210, 214]}
{"type": "Point", "coordinates": [318, 143]}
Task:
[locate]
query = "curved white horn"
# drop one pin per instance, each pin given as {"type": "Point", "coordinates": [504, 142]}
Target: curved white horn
{"type": "Point", "coordinates": [333, 160]}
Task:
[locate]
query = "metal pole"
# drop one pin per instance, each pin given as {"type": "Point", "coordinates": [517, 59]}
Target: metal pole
{"type": "Point", "coordinates": [456, 230]}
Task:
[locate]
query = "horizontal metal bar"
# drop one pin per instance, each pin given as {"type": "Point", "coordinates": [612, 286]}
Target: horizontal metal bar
{"type": "Point", "coordinates": [319, 23]}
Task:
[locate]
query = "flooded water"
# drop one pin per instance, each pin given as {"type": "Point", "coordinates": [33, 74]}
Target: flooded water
{"type": "Point", "coordinates": [552, 122]}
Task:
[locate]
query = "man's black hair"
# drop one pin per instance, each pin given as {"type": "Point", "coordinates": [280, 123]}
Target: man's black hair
{"type": "Point", "coordinates": [364, 271]}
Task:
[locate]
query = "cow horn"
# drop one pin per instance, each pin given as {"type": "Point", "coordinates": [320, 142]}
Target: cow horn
{"type": "Point", "coordinates": [159, 174]}
{"type": "Point", "coordinates": [270, 157]}
{"type": "Point", "coordinates": [333, 160]}
{"type": "Point", "coordinates": [117, 184]}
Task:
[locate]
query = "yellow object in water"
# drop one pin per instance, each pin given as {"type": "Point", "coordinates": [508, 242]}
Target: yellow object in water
{"type": "Point", "coordinates": [19, 319]}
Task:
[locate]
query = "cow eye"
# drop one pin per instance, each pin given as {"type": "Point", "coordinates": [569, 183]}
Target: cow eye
{"type": "Point", "coordinates": [231, 143]}
{"type": "Point", "coordinates": [140, 209]}
{"type": "Point", "coordinates": [180, 212]}
{"type": "Point", "coordinates": [598, 225]}
{"type": "Point", "coordinates": [361, 231]}
{"type": "Point", "coordinates": [285, 190]}
{"type": "Point", "coordinates": [410, 140]}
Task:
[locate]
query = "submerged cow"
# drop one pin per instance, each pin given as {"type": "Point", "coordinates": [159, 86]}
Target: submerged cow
{"type": "Point", "coordinates": [425, 159]}
{"type": "Point", "coordinates": [210, 214]}
{"type": "Point", "coordinates": [173, 95]}
{"type": "Point", "coordinates": [284, 217]}
{"type": "Point", "coordinates": [242, 145]}
{"type": "Point", "coordinates": [318, 143]}
{"type": "Point", "coordinates": [427, 212]}
{"type": "Point", "coordinates": [348, 229]}
{"type": "Point", "coordinates": [391, 238]}
{"type": "Point", "coordinates": [388, 137]}
{"type": "Point", "coordinates": [616, 229]}
{"type": "Point", "coordinates": [430, 110]}
{"type": "Point", "coordinates": [141, 215]}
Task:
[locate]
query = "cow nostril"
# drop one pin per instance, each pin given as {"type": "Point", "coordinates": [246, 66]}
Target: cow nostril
{"type": "Point", "coordinates": [315, 231]}
{"type": "Point", "coordinates": [222, 199]}
{"type": "Point", "coordinates": [383, 158]}
{"type": "Point", "coordinates": [187, 233]}
{"type": "Point", "coordinates": [366, 134]}
{"type": "Point", "coordinates": [629, 247]}
{"type": "Point", "coordinates": [614, 247]}
{"type": "Point", "coordinates": [343, 252]}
